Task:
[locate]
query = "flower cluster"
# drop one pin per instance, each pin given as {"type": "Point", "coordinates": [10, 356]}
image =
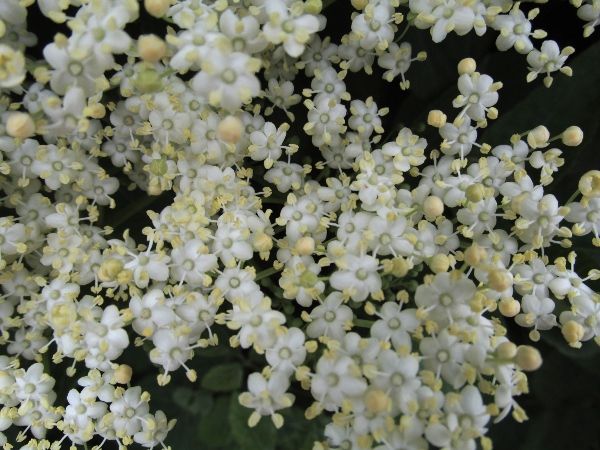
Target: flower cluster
{"type": "Point", "coordinates": [375, 273]}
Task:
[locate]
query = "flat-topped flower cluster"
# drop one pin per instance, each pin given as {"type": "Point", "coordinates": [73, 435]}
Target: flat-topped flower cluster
{"type": "Point", "coordinates": [397, 263]}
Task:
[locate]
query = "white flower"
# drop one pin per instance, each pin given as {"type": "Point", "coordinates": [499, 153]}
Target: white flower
{"type": "Point", "coordinates": [330, 319]}
{"type": "Point", "coordinates": [447, 297]}
{"type": "Point", "coordinates": [547, 60]}
{"type": "Point", "coordinates": [12, 67]}
{"type": "Point", "coordinates": [478, 95]}
{"type": "Point", "coordinates": [288, 353]}
{"type": "Point", "coordinates": [514, 30]}
{"type": "Point", "coordinates": [191, 261]}
{"type": "Point", "coordinates": [336, 380]}
{"type": "Point", "coordinates": [227, 80]}
{"type": "Point", "coordinates": [443, 17]}
{"type": "Point", "coordinates": [267, 396]}
{"type": "Point", "coordinates": [290, 27]}
{"type": "Point", "coordinates": [358, 277]}
{"type": "Point", "coordinates": [536, 314]}
{"type": "Point", "coordinates": [374, 27]}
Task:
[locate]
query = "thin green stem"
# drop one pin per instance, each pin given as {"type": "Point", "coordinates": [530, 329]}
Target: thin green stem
{"type": "Point", "coordinates": [363, 323]}
{"type": "Point", "coordinates": [573, 197]}
{"type": "Point", "coordinates": [266, 273]}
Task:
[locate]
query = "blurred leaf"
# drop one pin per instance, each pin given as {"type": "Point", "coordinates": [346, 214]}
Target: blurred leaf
{"type": "Point", "coordinates": [214, 427]}
{"type": "Point", "coordinates": [560, 380]}
{"type": "Point", "coordinates": [193, 401]}
{"type": "Point", "coordinates": [262, 436]}
{"type": "Point", "coordinates": [569, 428]}
{"type": "Point", "coordinates": [298, 432]}
{"type": "Point", "coordinates": [223, 378]}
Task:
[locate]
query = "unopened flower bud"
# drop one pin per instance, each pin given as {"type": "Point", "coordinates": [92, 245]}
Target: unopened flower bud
{"type": "Point", "coordinates": [123, 374]}
{"type": "Point", "coordinates": [308, 279]}
{"type": "Point", "coordinates": [400, 267]}
{"type": "Point", "coordinates": [573, 333]}
{"type": "Point", "coordinates": [313, 7]}
{"type": "Point", "coordinates": [151, 48]}
{"type": "Point", "coordinates": [305, 246]}
{"type": "Point", "coordinates": [475, 255]}
{"type": "Point", "coordinates": [433, 206]}
{"type": "Point", "coordinates": [589, 184]}
{"type": "Point", "coordinates": [263, 242]}
{"type": "Point", "coordinates": [109, 269]}
{"type": "Point", "coordinates": [154, 189]}
{"type": "Point", "coordinates": [475, 193]}
{"type": "Point", "coordinates": [148, 81]}
{"type": "Point", "coordinates": [467, 65]}
{"type": "Point", "coordinates": [572, 136]}
{"type": "Point", "coordinates": [506, 350]}
{"type": "Point", "coordinates": [509, 307]}
{"type": "Point", "coordinates": [377, 401]}
{"type": "Point", "coordinates": [538, 137]}
{"type": "Point", "coordinates": [20, 125]}
{"type": "Point", "coordinates": [157, 8]}
{"type": "Point", "coordinates": [231, 129]}
{"type": "Point", "coordinates": [439, 263]}
{"type": "Point", "coordinates": [528, 358]}
{"type": "Point", "coordinates": [359, 4]}
{"type": "Point", "coordinates": [499, 280]}
{"type": "Point", "coordinates": [95, 111]}
{"type": "Point", "coordinates": [436, 118]}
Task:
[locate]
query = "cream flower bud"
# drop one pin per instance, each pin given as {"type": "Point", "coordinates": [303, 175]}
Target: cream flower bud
{"type": "Point", "coordinates": [154, 189]}
{"type": "Point", "coordinates": [475, 255]}
{"type": "Point", "coordinates": [305, 246]}
{"type": "Point", "coordinates": [20, 125]}
{"type": "Point", "coordinates": [12, 67]}
{"type": "Point", "coordinates": [589, 184]}
{"type": "Point", "coordinates": [263, 242]}
{"type": "Point", "coordinates": [573, 333]}
{"type": "Point", "coordinates": [313, 7]}
{"type": "Point", "coordinates": [157, 8]}
{"type": "Point", "coordinates": [359, 4]}
{"type": "Point", "coordinates": [509, 307]}
{"type": "Point", "coordinates": [109, 269]}
{"type": "Point", "coordinates": [475, 193]}
{"type": "Point", "coordinates": [151, 48]}
{"type": "Point", "coordinates": [528, 358]}
{"type": "Point", "coordinates": [400, 266]}
{"type": "Point", "coordinates": [538, 137]}
{"type": "Point", "coordinates": [231, 129]}
{"type": "Point", "coordinates": [467, 65]}
{"type": "Point", "coordinates": [123, 374]}
{"type": "Point", "coordinates": [439, 263]}
{"type": "Point", "coordinates": [499, 279]}
{"type": "Point", "coordinates": [95, 111]}
{"type": "Point", "coordinates": [377, 401]}
{"type": "Point", "coordinates": [433, 206]}
{"type": "Point", "coordinates": [572, 136]}
{"type": "Point", "coordinates": [506, 350]}
{"type": "Point", "coordinates": [148, 81]}
{"type": "Point", "coordinates": [436, 118]}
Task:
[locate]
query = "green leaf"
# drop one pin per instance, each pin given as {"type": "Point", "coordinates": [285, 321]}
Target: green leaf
{"type": "Point", "coordinates": [262, 436]}
{"type": "Point", "coordinates": [298, 432]}
{"type": "Point", "coordinates": [223, 378]}
{"type": "Point", "coordinates": [214, 427]}
{"type": "Point", "coordinates": [192, 401]}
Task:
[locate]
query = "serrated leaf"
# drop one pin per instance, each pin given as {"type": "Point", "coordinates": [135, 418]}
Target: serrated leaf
{"type": "Point", "coordinates": [223, 378]}
{"type": "Point", "coordinates": [263, 436]}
